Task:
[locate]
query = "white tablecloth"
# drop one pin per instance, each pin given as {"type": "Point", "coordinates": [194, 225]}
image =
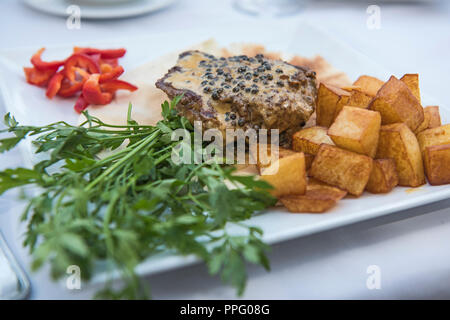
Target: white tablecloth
{"type": "Point", "coordinates": [410, 249]}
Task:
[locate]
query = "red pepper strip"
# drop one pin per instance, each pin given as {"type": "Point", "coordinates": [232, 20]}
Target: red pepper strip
{"type": "Point", "coordinates": [92, 93]}
{"type": "Point", "coordinates": [69, 88]}
{"type": "Point", "coordinates": [113, 85]}
{"type": "Point", "coordinates": [43, 65]}
{"type": "Point", "coordinates": [80, 60]}
{"type": "Point", "coordinates": [54, 85]}
{"type": "Point", "coordinates": [105, 53]}
{"type": "Point", "coordinates": [38, 77]}
{"type": "Point", "coordinates": [80, 104]}
{"type": "Point", "coordinates": [105, 68]}
{"type": "Point", "coordinates": [113, 74]}
{"type": "Point", "coordinates": [111, 62]}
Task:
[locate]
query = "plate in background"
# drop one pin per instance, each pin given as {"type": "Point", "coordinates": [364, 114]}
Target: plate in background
{"type": "Point", "coordinates": [98, 10]}
{"type": "Point", "coordinates": [30, 106]}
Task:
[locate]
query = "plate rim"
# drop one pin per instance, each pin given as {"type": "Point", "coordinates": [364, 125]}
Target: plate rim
{"type": "Point", "coordinates": [148, 6]}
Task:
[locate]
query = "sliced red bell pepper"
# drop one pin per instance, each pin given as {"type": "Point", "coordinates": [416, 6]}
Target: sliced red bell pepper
{"type": "Point", "coordinates": [81, 104]}
{"type": "Point", "coordinates": [113, 85]}
{"type": "Point", "coordinates": [111, 62]}
{"type": "Point", "coordinates": [38, 77]}
{"type": "Point", "coordinates": [105, 53]}
{"type": "Point", "coordinates": [82, 61]}
{"type": "Point", "coordinates": [69, 89]}
{"type": "Point", "coordinates": [92, 93]}
{"type": "Point", "coordinates": [43, 65]}
{"type": "Point", "coordinates": [113, 74]}
{"type": "Point", "coordinates": [54, 85]}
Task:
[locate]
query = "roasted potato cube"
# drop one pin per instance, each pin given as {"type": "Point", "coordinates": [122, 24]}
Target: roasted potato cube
{"type": "Point", "coordinates": [434, 137]}
{"type": "Point", "coordinates": [384, 176]}
{"type": "Point", "coordinates": [328, 99]}
{"type": "Point", "coordinates": [357, 99]}
{"type": "Point", "coordinates": [264, 157]}
{"type": "Point", "coordinates": [396, 103]}
{"type": "Point", "coordinates": [368, 84]}
{"type": "Point", "coordinates": [435, 117]}
{"type": "Point", "coordinates": [356, 130]}
{"type": "Point", "coordinates": [309, 158]}
{"type": "Point", "coordinates": [309, 140]}
{"type": "Point", "coordinates": [317, 199]}
{"type": "Point", "coordinates": [424, 125]}
{"type": "Point", "coordinates": [398, 142]}
{"type": "Point", "coordinates": [287, 175]}
{"type": "Point", "coordinates": [412, 81]}
{"type": "Point", "coordinates": [437, 164]}
{"type": "Point", "coordinates": [341, 168]}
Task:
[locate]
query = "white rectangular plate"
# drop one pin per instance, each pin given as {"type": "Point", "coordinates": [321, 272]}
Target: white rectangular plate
{"type": "Point", "coordinates": [30, 106]}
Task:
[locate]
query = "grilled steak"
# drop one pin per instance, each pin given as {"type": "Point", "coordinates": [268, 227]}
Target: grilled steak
{"type": "Point", "coordinates": [241, 92]}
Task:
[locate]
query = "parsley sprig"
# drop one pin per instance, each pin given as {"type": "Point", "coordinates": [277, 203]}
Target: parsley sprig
{"type": "Point", "coordinates": [111, 194]}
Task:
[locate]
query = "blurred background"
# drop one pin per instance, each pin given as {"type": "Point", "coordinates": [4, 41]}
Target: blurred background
{"type": "Point", "coordinates": [402, 36]}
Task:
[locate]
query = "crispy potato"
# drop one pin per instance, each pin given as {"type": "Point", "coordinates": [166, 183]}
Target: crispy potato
{"type": "Point", "coordinates": [396, 103]}
{"type": "Point", "coordinates": [412, 81]}
{"type": "Point", "coordinates": [309, 158]}
{"type": "Point", "coordinates": [350, 88]}
{"type": "Point", "coordinates": [263, 158]}
{"type": "Point", "coordinates": [356, 130]}
{"type": "Point", "coordinates": [345, 169]}
{"type": "Point", "coordinates": [368, 84]}
{"type": "Point", "coordinates": [437, 164]}
{"type": "Point", "coordinates": [434, 137]}
{"type": "Point", "coordinates": [424, 125]}
{"type": "Point", "coordinates": [398, 142]}
{"type": "Point", "coordinates": [287, 175]}
{"type": "Point", "coordinates": [384, 176]}
{"type": "Point", "coordinates": [435, 117]}
{"type": "Point", "coordinates": [317, 199]}
{"type": "Point", "coordinates": [357, 99]}
{"type": "Point", "coordinates": [328, 99]}
{"type": "Point", "coordinates": [309, 140]}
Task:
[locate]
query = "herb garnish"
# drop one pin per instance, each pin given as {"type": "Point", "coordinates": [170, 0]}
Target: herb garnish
{"type": "Point", "coordinates": [132, 203]}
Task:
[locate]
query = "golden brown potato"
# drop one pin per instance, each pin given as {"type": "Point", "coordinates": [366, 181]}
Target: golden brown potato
{"type": "Point", "coordinates": [264, 157]}
{"type": "Point", "coordinates": [434, 137]}
{"type": "Point", "coordinates": [359, 98]}
{"type": "Point", "coordinates": [328, 99]}
{"type": "Point", "coordinates": [317, 199]}
{"type": "Point", "coordinates": [341, 168]}
{"type": "Point", "coordinates": [309, 140]}
{"type": "Point", "coordinates": [368, 84]}
{"type": "Point", "coordinates": [435, 117]}
{"type": "Point", "coordinates": [384, 176]}
{"type": "Point", "coordinates": [398, 142]}
{"type": "Point", "coordinates": [437, 164]}
{"type": "Point", "coordinates": [396, 103]}
{"type": "Point", "coordinates": [356, 130]}
{"type": "Point", "coordinates": [424, 125]}
{"type": "Point", "coordinates": [309, 158]}
{"type": "Point", "coordinates": [412, 81]}
{"type": "Point", "coordinates": [287, 175]}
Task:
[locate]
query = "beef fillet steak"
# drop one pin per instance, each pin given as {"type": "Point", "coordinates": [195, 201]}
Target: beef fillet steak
{"type": "Point", "coordinates": [241, 92]}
